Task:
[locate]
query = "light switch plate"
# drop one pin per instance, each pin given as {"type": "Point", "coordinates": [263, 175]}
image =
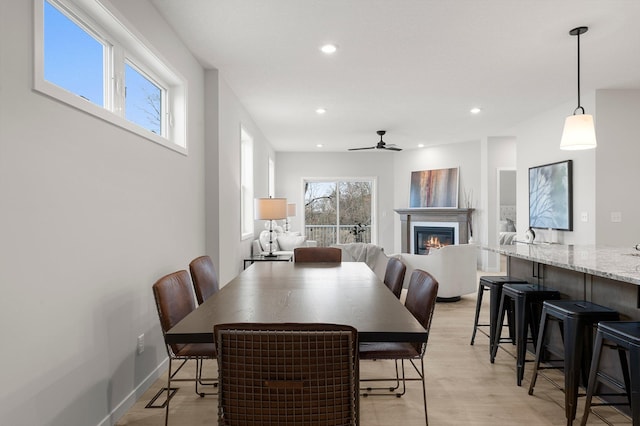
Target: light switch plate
{"type": "Point", "coordinates": [616, 217]}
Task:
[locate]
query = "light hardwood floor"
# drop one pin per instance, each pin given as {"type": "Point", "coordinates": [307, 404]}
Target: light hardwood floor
{"type": "Point", "coordinates": [463, 387]}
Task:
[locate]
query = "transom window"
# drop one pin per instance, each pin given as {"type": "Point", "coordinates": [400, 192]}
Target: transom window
{"type": "Point", "coordinates": [89, 60]}
{"type": "Point", "coordinates": [339, 211]}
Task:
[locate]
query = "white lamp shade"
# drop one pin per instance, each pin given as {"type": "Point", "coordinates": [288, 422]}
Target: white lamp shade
{"type": "Point", "coordinates": [291, 210]}
{"type": "Point", "coordinates": [579, 133]}
{"type": "Point", "coordinates": [270, 208]}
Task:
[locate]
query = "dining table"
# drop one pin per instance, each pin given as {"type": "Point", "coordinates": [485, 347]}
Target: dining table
{"type": "Point", "coordinates": [289, 292]}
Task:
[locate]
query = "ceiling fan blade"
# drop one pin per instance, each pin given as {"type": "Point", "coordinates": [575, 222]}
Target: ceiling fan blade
{"type": "Point", "coordinates": [392, 148]}
{"type": "Point", "coordinates": [359, 149]}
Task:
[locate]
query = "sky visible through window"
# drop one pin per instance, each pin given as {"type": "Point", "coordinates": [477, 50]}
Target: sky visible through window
{"type": "Point", "coordinates": [74, 60]}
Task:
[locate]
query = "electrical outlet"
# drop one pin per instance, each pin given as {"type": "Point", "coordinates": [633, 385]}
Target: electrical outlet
{"type": "Point", "coordinates": [616, 217]}
{"type": "Point", "coordinates": [140, 343]}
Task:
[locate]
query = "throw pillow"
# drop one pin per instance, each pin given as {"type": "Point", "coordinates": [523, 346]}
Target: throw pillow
{"type": "Point", "coordinates": [289, 242]}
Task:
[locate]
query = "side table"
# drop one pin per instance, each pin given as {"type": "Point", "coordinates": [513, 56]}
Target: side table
{"type": "Point", "coordinates": [279, 258]}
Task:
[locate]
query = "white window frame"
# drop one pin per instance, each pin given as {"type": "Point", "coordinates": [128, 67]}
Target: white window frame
{"type": "Point", "coordinates": [123, 44]}
{"type": "Point", "coordinates": [246, 185]}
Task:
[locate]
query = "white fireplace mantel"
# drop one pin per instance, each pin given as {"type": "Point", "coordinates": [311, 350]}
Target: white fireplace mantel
{"type": "Point", "coordinates": [410, 215]}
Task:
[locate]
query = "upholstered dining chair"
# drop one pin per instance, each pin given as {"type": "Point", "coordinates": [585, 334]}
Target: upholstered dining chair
{"type": "Point", "coordinates": [317, 254]}
{"type": "Point", "coordinates": [203, 275]}
{"type": "Point", "coordinates": [420, 301]}
{"type": "Point", "coordinates": [394, 275]}
{"type": "Point", "coordinates": [175, 300]}
{"type": "Point", "coordinates": [287, 374]}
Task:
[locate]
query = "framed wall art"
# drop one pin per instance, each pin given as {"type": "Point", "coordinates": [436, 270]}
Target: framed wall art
{"type": "Point", "coordinates": [551, 196]}
{"type": "Point", "coordinates": [434, 188]}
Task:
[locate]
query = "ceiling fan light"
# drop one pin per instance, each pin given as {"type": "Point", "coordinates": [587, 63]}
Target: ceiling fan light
{"type": "Point", "coordinates": [579, 133]}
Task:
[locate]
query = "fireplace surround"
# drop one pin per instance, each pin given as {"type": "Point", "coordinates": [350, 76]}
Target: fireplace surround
{"type": "Point", "coordinates": [410, 216]}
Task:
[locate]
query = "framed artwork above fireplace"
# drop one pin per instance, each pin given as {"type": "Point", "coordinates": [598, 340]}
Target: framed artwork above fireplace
{"type": "Point", "coordinates": [434, 188]}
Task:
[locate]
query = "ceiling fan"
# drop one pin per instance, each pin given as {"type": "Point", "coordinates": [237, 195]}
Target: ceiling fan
{"type": "Point", "coordinates": [380, 145]}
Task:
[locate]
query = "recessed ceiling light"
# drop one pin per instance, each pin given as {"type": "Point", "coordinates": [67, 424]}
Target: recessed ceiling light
{"type": "Point", "coordinates": [319, 145]}
{"type": "Point", "coordinates": [329, 49]}
{"type": "Point", "coordinates": [420, 145]}
{"type": "Point", "coordinates": [475, 110]}
{"type": "Point", "coordinates": [321, 111]}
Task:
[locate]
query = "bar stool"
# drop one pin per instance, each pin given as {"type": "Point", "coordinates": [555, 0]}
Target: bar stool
{"type": "Point", "coordinates": [626, 336]}
{"type": "Point", "coordinates": [578, 318]}
{"type": "Point", "coordinates": [527, 299]}
{"type": "Point", "coordinates": [492, 284]}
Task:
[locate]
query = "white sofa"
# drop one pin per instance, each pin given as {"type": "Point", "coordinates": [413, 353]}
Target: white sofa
{"type": "Point", "coordinates": [454, 267]}
{"type": "Point", "coordinates": [282, 243]}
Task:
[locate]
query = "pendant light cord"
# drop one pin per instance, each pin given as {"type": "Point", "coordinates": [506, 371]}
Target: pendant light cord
{"type": "Point", "coordinates": [577, 32]}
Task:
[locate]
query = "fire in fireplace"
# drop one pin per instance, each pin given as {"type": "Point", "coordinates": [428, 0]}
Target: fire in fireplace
{"type": "Point", "coordinates": [428, 237]}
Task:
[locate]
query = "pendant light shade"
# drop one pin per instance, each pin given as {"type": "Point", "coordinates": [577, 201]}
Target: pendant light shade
{"type": "Point", "coordinates": [579, 131]}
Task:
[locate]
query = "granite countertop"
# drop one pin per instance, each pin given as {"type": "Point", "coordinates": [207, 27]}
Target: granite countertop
{"type": "Point", "coordinates": [616, 263]}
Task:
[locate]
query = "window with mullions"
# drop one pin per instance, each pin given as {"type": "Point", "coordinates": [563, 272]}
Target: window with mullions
{"type": "Point", "coordinates": [338, 211]}
{"type": "Point", "coordinates": [82, 53]}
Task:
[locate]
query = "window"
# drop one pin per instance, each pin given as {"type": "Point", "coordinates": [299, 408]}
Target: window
{"type": "Point", "coordinates": [246, 183]}
{"type": "Point", "coordinates": [339, 211]}
{"type": "Point", "coordinates": [84, 57]}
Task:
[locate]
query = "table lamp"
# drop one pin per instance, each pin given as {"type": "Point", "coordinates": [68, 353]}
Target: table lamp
{"type": "Point", "coordinates": [270, 209]}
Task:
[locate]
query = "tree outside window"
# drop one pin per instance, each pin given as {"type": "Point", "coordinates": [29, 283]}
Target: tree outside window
{"type": "Point", "coordinates": [338, 212]}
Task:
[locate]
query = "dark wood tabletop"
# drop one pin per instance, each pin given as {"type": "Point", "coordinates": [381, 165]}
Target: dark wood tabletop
{"type": "Point", "coordinates": [347, 293]}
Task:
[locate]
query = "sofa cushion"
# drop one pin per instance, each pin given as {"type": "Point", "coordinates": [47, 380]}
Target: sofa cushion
{"type": "Point", "coordinates": [289, 242]}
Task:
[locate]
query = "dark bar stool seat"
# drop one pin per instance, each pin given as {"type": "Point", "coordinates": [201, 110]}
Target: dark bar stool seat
{"type": "Point", "coordinates": [626, 336]}
{"type": "Point", "coordinates": [578, 317]}
{"type": "Point", "coordinates": [527, 299]}
{"type": "Point", "coordinates": [492, 284]}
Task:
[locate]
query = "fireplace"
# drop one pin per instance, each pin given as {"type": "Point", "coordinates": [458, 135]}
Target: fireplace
{"type": "Point", "coordinates": [459, 219]}
{"type": "Point", "coordinates": [428, 237]}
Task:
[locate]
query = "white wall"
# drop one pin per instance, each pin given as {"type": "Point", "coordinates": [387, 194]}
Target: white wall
{"type": "Point", "coordinates": [233, 116]}
{"type": "Point", "coordinates": [538, 142]}
{"type": "Point", "coordinates": [90, 217]}
{"type": "Point", "coordinates": [463, 155]}
{"type": "Point", "coordinates": [501, 154]}
{"type": "Point", "coordinates": [291, 168]}
{"type": "Point", "coordinates": [617, 167]}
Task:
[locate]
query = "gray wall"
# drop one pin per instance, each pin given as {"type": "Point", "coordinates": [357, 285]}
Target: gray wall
{"type": "Point", "coordinates": [618, 167]}
{"type": "Point", "coordinates": [91, 216]}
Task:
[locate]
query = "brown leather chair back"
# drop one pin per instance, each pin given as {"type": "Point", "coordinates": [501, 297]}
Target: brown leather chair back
{"type": "Point", "coordinates": [203, 275]}
{"type": "Point", "coordinates": [289, 374]}
{"type": "Point", "coordinates": [421, 299]}
{"type": "Point", "coordinates": [394, 275]}
{"type": "Point", "coordinates": [174, 300]}
{"type": "Point", "coordinates": [317, 254]}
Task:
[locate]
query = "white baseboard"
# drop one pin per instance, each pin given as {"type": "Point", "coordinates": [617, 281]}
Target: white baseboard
{"type": "Point", "coordinates": [124, 405]}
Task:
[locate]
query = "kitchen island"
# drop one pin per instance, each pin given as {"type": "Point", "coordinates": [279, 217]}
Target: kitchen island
{"type": "Point", "coordinates": [609, 276]}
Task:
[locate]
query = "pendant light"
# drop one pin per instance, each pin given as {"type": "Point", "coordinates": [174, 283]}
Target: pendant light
{"type": "Point", "coordinates": [579, 131]}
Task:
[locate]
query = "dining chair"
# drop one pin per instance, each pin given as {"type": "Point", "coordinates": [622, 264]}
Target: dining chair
{"type": "Point", "coordinates": [203, 275]}
{"type": "Point", "coordinates": [420, 301]}
{"type": "Point", "coordinates": [394, 275]}
{"type": "Point", "coordinates": [287, 374]}
{"type": "Point", "coordinates": [174, 298]}
{"type": "Point", "coordinates": [317, 254]}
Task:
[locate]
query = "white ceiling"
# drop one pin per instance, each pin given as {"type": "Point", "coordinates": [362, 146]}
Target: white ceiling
{"type": "Point", "coordinates": [411, 67]}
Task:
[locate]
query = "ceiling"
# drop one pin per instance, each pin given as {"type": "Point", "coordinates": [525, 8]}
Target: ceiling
{"type": "Point", "coordinates": [412, 67]}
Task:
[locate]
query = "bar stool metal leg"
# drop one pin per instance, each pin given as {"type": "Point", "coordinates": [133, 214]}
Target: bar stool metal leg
{"type": "Point", "coordinates": [481, 290]}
